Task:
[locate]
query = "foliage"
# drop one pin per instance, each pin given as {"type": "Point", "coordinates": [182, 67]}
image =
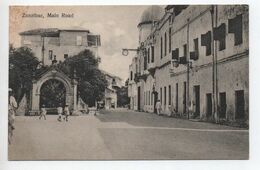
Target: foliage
{"type": "Point", "coordinates": [92, 81]}
{"type": "Point", "coordinates": [22, 64]}
{"type": "Point", "coordinates": [122, 96]}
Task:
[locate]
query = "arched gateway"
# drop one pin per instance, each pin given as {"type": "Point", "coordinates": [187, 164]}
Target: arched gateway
{"type": "Point", "coordinates": [65, 92]}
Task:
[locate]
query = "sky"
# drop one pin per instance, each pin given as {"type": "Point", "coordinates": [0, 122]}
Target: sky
{"type": "Point", "coordinates": [117, 26]}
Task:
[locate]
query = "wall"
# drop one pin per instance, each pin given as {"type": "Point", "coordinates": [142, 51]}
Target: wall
{"type": "Point", "coordinates": [64, 44]}
{"type": "Point", "coordinates": [230, 73]}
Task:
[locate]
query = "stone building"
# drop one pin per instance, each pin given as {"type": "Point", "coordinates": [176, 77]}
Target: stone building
{"type": "Point", "coordinates": [194, 59]}
{"type": "Point", "coordinates": [114, 83]}
{"type": "Point", "coordinates": [52, 45]}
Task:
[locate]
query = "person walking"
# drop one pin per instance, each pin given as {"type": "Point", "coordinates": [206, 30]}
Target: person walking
{"type": "Point", "coordinates": [59, 110]}
{"type": "Point", "coordinates": [66, 112]}
{"type": "Point", "coordinates": [12, 106]}
{"type": "Point", "coordinates": [158, 107]}
{"type": "Point", "coordinates": [43, 112]}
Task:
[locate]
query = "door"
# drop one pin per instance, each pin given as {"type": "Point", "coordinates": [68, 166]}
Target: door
{"type": "Point", "coordinates": [184, 97]}
{"type": "Point", "coordinates": [222, 105]}
{"type": "Point", "coordinates": [209, 105]}
{"type": "Point", "coordinates": [139, 99]}
{"type": "Point", "coordinates": [155, 100]}
{"type": "Point", "coordinates": [240, 104]}
{"type": "Point", "coordinates": [197, 100]}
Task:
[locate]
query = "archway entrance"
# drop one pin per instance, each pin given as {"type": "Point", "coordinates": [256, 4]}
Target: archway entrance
{"type": "Point", "coordinates": [52, 94]}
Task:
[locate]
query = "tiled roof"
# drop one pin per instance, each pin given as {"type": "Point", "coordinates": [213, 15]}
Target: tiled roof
{"type": "Point", "coordinates": [50, 31]}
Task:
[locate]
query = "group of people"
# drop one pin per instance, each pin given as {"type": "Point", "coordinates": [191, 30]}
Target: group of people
{"type": "Point", "coordinates": [158, 107]}
{"type": "Point", "coordinates": [65, 112]}
{"type": "Point", "coordinates": [62, 113]}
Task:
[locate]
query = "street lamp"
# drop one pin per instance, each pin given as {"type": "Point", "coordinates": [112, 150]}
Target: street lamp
{"type": "Point", "coordinates": [125, 51]}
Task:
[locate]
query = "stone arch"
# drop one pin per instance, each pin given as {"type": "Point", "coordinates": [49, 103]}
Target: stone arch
{"type": "Point", "coordinates": [70, 86]}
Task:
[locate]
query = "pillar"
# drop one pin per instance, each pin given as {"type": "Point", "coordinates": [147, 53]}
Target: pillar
{"type": "Point", "coordinates": [75, 85]}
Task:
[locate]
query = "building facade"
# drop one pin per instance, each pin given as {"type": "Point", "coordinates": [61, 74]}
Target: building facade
{"type": "Point", "coordinates": [194, 59]}
{"type": "Point", "coordinates": [50, 46]}
{"type": "Point", "coordinates": [114, 83]}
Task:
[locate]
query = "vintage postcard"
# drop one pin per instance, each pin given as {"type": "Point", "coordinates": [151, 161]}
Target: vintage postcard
{"type": "Point", "coordinates": [139, 82]}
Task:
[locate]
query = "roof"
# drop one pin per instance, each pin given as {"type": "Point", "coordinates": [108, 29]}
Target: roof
{"type": "Point", "coordinates": [110, 75]}
{"type": "Point", "coordinates": [51, 32]}
{"type": "Point", "coordinates": [152, 13]}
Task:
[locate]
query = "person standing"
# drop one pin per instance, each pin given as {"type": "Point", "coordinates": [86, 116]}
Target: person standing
{"type": "Point", "coordinates": [59, 110]}
{"type": "Point", "coordinates": [66, 112]}
{"type": "Point", "coordinates": [158, 107]}
{"type": "Point", "coordinates": [43, 112]}
{"type": "Point", "coordinates": [12, 106]}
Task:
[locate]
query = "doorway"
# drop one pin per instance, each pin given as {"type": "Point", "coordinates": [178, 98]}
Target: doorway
{"type": "Point", "coordinates": [139, 99]}
{"type": "Point", "coordinates": [176, 98]}
{"type": "Point", "coordinates": [197, 100]}
{"type": "Point", "coordinates": [209, 105]}
{"type": "Point", "coordinates": [155, 98]}
{"type": "Point", "coordinates": [184, 97]}
{"type": "Point", "coordinates": [240, 104]}
{"type": "Point", "coordinates": [52, 95]}
{"type": "Point", "coordinates": [222, 105]}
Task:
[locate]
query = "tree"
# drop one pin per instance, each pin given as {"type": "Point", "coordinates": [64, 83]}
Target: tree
{"type": "Point", "coordinates": [22, 64]}
{"type": "Point", "coordinates": [92, 82]}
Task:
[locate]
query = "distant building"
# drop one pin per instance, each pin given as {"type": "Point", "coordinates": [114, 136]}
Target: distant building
{"type": "Point", "coordinates": [114, 83]}
{"type": "Point", "coordinates": [50, 44]}
{"type": "Point", "coordinates": [193, 58]}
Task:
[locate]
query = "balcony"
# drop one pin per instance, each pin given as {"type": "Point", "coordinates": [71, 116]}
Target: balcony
{"type": "Point", "coordinates": [151, 68]}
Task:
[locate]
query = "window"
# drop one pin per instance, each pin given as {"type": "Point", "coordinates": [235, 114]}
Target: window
{"type": "Point", "coordinates": [161, 47]}
{"type": "Point", "coordinates": [66, 56]}
{"type": "Point", "coordinates": [175, 54]}
{"type": "Point", "coordinates": [79, 40]}
{"type": "Point", "coordinates": [152, 49]}
{"type": "Point", "coordinates": [206, 41]}
{"type": "Point", "coordinates": [183, 59]}
{"type": "Point", "coordinates": [131, 75]}
{"type": "Point", "coordinates": [165, 44]}
{"type": "Point", "coordinates": [219, 34]}
{"type": "Point", "coordinates": [194, 55]}
{"type": "Point", "coordinates": [170, 39]}
{"type": "Point", "coordinates": [50, 54]}
{"type": "Point", "coordinates": [222, 44]}
{"type": "Point", "coordinates": [196, 47]}
{"type": "Point", "coordinates": [185, 50]}
{"type": "Point", "coordinates": [169, 92]}
{"type": "Point", "coordinates": [235, 27]}
{"type": "Point", "coordinates": [145, 59]}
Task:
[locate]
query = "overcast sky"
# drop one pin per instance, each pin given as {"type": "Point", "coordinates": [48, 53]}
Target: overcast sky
{"type": "Point", "coordinates": [117, 26]}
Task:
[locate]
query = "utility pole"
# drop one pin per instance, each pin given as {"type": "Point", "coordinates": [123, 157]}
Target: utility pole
{"type": "Point", "coordinates": [188, 70]}
{"type": "Point", "coordinates": [43, 49]}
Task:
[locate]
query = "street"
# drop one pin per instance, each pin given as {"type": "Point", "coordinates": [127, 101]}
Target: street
{"type": "Point", "coordinates": [123, 134]}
